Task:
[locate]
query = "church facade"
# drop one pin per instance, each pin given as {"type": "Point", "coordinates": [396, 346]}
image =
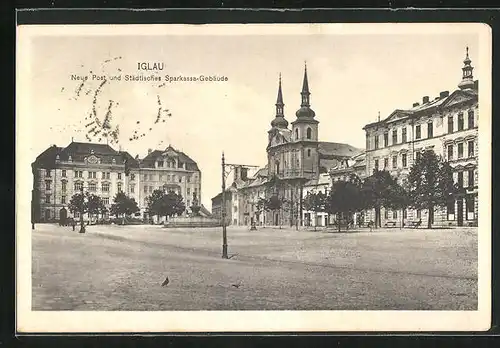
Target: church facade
{"type": "Point", "coordinates": [296, 159]}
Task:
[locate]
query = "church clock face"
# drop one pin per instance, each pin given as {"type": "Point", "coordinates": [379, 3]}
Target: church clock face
{"type": "Point", "coordinates": [92, 159]}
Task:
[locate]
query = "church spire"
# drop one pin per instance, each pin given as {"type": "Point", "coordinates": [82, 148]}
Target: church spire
{"type": "Point", "coordinates": [279, 120]}
{"type": "Point", "coordinates": [279, 100]}
{"type": "Point", "coordinates": [305, 89]}
{"type": "Point", "coordinates": [467, 78]}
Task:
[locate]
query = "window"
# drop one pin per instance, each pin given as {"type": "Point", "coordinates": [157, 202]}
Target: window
{"type": "Point", "coordinates": [47, 198]}
{"type": "Point", "coordinates": [63, 173]}
{"type": "Point", "coordinates": [419, 154]}
{"type": "Point", "coordinates": [460, 180]}
{"type": "Point", "coordinates": [309, 153]}
{"type": "Point", "coordinates": [132, 177]}
{"type": "Point", "coordinates": [430, 130]}
{"type": "Point", "coordinates": [394, 137]}
{"type": "Point", "coordinates": [160, 177]}
{"type": "Point", "coordinates": [450, 208]}
{"type": "Point", "coordinates": [386, 139]}
{"type": "Point", "coordinates": [386, 163]}
{"type": "Point", "coordinates": [150, 189]}
{"type": "Point", "coordinates": [367, 142]}
{"type": "Point", "coordinates": [404, 160]}
{"type": "Point", "coordinates": [92, 187]}
{"type": "Point", "coordinates": [47, 185]}
{"type": "Point", "coordinates": [63, 186]}
{"type": "Point", "coordinates": [104, 175]}
{"type": "Point", "coordinates": [119, 176]}
{"type": "Point", "coordinates": [386, 214]}
{"type": "Point", "coordinates": [404, 135]}
{"type": "Point", "coordinates": [180, 178]}
{"type": "Point", "coordinates": [376, 164]}
{"type": "Point", "coordinates": [470, 177]}
{"type": "Point", "coordinates": [105, 200]}
{"type": "Point", "coordinates": [450, 152]}
{"type": "Point", "coordinates": [151, 177]}
{"type": "Point", "coordinates": [90, 175]}
{"type": "Point", "coordinates": [296, 134]}
{"type": "Point", "coordinates": [94, 175]}
{"type": "Point", "coordinates": [47, 173]}
{"type": "Point", "coordinates": [405, 214]}
{"type": "Point", "coordinates": [78, 174]}
{"type": "Point", "coordinates": [63, 199]}
{"type": "Point", "coordinates": [418, 132]}
{"type": "Point", "coordinates": [119, 187]}
{"type": "Point", "coordinates": [160, 163]}
{"type": "Point", "coordinates": [469, 202]}
{"type": "Point", "coordinates": [132, 188]}
{"type": "Point", "coordinates": [394, 214]}
{"type": "Point", "coordinates": [188, 179]}
{"type": "Point", "coordinates": [376, 142]}
{"type": "Point", "coordinates": [470, 148]}
{"type": "Point", "coordinates": [105, 187]}
{"type": "Point", "coordinates": [145, 189]}
{"type": "Point", "coordinates": [78, 186]}
{"type": "Point", "coordinates": [309, 133]}
{"type": "Point", "coordinates": [196, 190]}
{"type": "Point", "coordinates": [460, 124]}
{"type": "Point", "coordinates": [419, 214]}
{"type": "Point", "coordinates": [470, 119]}
{"type": "Point", "coordinates": [188, 191]}
{"type": "Point", "coordinates": [394, 161]}
{"type": "Point", "coordinates": [460, 150]}
{"type": "Point", "coordinates": [145, 177]}
{"type": "Point", "coordinates": [450, 124]}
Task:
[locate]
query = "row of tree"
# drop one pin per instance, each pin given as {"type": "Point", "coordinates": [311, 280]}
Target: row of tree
{"type": "Point", "coordinates": [159, 204]}
{"type": "Point", "coordinates": [429, 184]}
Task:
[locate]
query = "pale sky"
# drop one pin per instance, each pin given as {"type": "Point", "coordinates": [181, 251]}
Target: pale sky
{"type": "Point", "coordinates": [351, 79]}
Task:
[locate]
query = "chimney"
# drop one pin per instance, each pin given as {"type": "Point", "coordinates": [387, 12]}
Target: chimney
{"type": "Point", "coordinates": [149, 151]}
{"type": "Point", "coordinates": [444, 94]}
{"type": "Point", "coordinates": [244, 174]}
{"type": "Point", "coordinates": [237, 170]}
{"type": "Point", "coordinates": [416, 104]}
{"type": "Point", "coordinates": [425, 99]}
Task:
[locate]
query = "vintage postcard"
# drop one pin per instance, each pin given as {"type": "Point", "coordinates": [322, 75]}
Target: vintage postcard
{"type": "Point", "coordinates": [238, 178]}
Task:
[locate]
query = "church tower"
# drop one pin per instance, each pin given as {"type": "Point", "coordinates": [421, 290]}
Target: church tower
{"type": "Point", "coordinates": [305, 132]}
{"type": "Point", "coordinates": [467, 78]}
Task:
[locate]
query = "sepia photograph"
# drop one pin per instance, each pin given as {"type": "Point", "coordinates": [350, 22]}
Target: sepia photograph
{"type": "Point", "coordinates": [278, 177]}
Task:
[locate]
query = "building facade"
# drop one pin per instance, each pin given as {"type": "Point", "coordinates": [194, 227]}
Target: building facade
{"type": "Point", "coordinates": [448, 125]}
{"type": "Point", "coordinates": [59, 173]}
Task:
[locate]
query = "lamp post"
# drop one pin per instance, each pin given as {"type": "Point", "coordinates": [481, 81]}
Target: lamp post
{"type": "Point", "coordinates": [225, 173]}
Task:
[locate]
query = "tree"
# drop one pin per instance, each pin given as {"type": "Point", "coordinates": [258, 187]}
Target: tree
{"type": "Point", "coordinates": [165, 204]}
{"type": "Point", "coordinates": [344, 199]}
{"type": "Point", "coordinates": [314, 202]}
{"type": "Point", "coordinates": [79, 204]}
{"type": "Point", "coordinates": [123, 205]}
{"type": "Point", "coordinates": [399, 198]}
{"type": "Point", "coordinates": [274, 204]}
{"type": "Point", "coordinates": [95, 205]}
{"type": "Point", "coordinates": [431, 183]}
{"type": "Point", "coordinates": [376, 192]}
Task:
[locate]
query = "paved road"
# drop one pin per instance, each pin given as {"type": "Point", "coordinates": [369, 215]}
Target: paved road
{"type": "Point", "coordinates": [122, 268]}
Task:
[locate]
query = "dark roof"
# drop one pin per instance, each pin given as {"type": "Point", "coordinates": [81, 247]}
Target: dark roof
{"type": "Point", "coordinates": [150, 159]}
{"type": "Point", "coordinates": [331, 150]}
{"type": "Point", "coordinates": [78, 152]}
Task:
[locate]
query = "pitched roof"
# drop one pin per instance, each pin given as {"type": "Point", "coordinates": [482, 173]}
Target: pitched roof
{"type": "Point", "coordinates": [150, 159]}
{"type": "Point", "coordinates": [329, 149]}
{"type": "Point", "coordinates": [79, 151]}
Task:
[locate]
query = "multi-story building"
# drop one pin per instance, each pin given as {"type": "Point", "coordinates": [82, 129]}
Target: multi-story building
{"type": "Point", "coordinates": [217, 205]}
{"type": "Point", "coordinates": [448, 125]}
{"type": "Point", "coordinates": [59, 173]}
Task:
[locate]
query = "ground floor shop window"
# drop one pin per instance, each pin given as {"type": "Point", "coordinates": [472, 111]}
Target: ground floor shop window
{"type": "Point", "coordinates": [450, 210]}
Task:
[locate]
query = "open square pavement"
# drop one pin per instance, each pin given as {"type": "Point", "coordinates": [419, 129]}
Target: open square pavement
{"type": "Point", "coordinates": [123, 267]}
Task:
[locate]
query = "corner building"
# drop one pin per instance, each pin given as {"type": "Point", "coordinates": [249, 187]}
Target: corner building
{"type": "Point", "coordinates": [447, 125]}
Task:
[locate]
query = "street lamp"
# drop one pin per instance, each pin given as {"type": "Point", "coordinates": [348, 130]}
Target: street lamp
{"type": "Point", "coordinates": [225, 173]}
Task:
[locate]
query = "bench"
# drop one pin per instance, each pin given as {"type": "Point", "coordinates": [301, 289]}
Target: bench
{"type": "Point", "coordinates": [390, 224]}
{"type": "Point", "coordinates": [415, 224]}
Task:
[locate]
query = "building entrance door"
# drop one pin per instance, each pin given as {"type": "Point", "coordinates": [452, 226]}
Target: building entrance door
{"type": "Point", "coordinates": [460, 212]}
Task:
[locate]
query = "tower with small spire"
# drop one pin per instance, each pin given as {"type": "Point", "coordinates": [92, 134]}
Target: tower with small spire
{"type": "Point", "coordinates": [305, 127]}
{"type": "Point", "coordinates": [279, 120]}
{"type": "Point", "coordinates": [467, 78]}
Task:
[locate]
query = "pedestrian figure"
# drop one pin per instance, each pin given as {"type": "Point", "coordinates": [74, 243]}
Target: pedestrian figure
{"type": "Point", "coordinates": [73, 224]}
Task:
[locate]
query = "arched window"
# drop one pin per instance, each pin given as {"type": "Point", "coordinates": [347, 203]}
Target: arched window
{"type": "Point", "coordinates": [309, 132]}
{"type": "Point", "coordinates": [296, 134]}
